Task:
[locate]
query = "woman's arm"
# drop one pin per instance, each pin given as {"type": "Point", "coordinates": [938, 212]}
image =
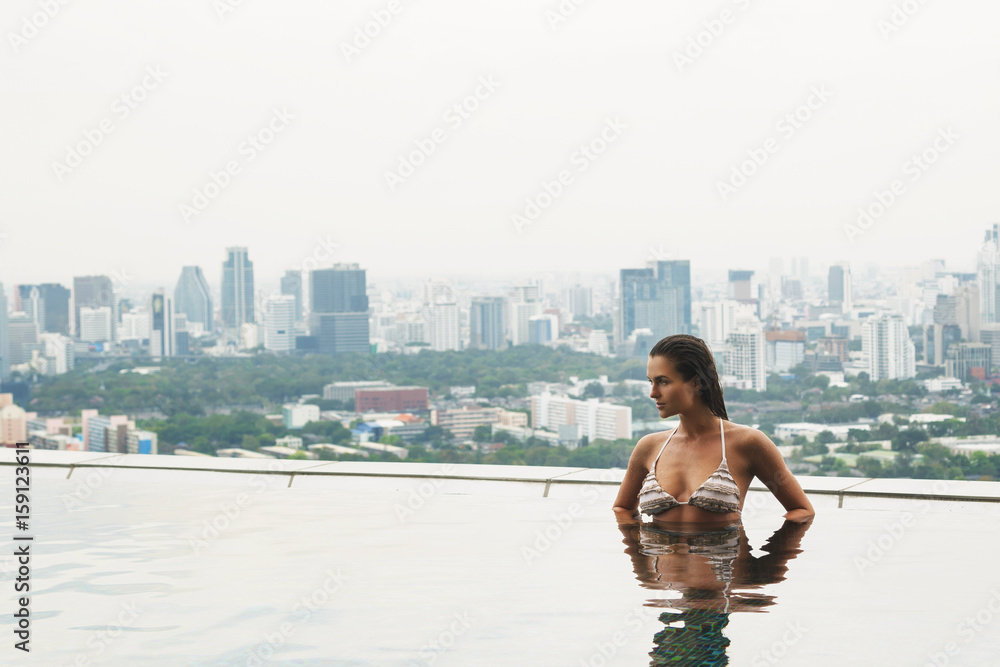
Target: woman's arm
{"type": "Point", "coordinates": [627, 502]}
{"type": "Point", "coordinates": [767, 465]}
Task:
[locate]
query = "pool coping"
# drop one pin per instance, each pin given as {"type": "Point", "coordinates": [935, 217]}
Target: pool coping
{"type": "Point", "coordinates": [842, 487]}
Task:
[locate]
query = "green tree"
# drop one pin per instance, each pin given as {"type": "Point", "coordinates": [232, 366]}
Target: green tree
{"type": "Point", "coordinates": [826, 437]}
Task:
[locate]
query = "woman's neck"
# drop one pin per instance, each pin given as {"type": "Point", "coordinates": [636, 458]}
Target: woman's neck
{"type": "Point", "coordinates": [696, 424]}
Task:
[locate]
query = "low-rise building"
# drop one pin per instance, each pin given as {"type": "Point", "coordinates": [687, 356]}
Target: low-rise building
{"type": "Point", "coordinates": [462, 423]}
{"type": "Point", "coordinates": [285, 452]}
{"type": "Point", "coordinates": [398, 399]}
{"type": "Point", "coordinates": [596, 419]}
{"type": "Point", "coordinates": [290, 441]}
{"type": "Point", "coordinates": [336, 449]}
{"type": "Point", "coordinates": [810, 430]}
{"type": "Point", "coordinates": [344, 391]}
{"type": "Point", "coordinates": [297, 415]}
{"type": "Point", "coordinates": [238, 453]}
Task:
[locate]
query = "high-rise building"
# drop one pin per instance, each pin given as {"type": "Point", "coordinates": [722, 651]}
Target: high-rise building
{"type": "Point", "coordinates": [106, 433]}
{"type": "Point", "coordinates": [291, 285]}
{"type": "Point", "coordinates": [960, 308]}
{"type": "Point", "coordinates": [839, 289]}
{"type": "Point", "coordinates": [135, 325]}
{"type": "Point", "coordinates": [55, 300]}
{"type": "Point", "coordinates": [22, 337]}
{"type": "Point", "coordinates": [990, 334]}
{"type": "Point", "coordinates": [486, 323]}
{"type": "Point", "coordinates": [542, 329]}
{"type": "Point", "coordinates": [518, 319]}
{"type": "Point", "coordinates": [526, 293]}
{"type": "Point", "coordinates": [888, 350]}
{"type": "Point", "coordinates": [740, 285]}
{"type": "Point", "coordinates": [791, 289]}
{"type": "Point", "coordinates": [162, 340]}
{"type": "Point", "coordinates": [937, 339]}
{"type": "Point", "coordinates": [988, 269]}
{"type": "Point", "coordinates": [439, 291]}
{"type": "Point", "coordinates": [746, 358]}
{"type": "Point", "coordinates": [60, 353]}
{"type": "Point", "coordinates": [4, 336]}
{"type": "Point", "coordinates": [94, 292]}
{"type": "Point", "coordinates": [581, 301]}
{"type": "Point", "coordinates": [28, 299]}
{"type": "Point", "coordinates": [800, 270]}
{"type": "Point", "coordinates": [658, 299]}
{"type": "Point", "coordinates": [442, 326]}
{"type": "Point", "coordinates": [964, 359]}
{"type": "Point", "coordinates": [279, 324]}
{"type": "Point", "coordinates": [95, 324]}
{"type": "Point", "coordinates": [785, 349]}
{"type": "Point", "coordinates": [193, 298]}
{"type": "Point", "coordinates": [339, 310]}
{"type": "Point", "coordinates": [717, 318]}
{"type": "Point", "coordinates": [237, 291]}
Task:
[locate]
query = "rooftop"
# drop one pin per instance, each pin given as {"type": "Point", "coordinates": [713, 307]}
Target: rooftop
{"type": "Point", "coordinates": [166, 560]}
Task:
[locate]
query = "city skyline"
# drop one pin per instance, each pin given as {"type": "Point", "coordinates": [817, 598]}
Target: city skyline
{"type": "Point", "coordinates": [540, 141]}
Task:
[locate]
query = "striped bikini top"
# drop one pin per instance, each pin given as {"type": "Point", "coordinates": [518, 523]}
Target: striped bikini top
{"type": "Point", "coordinates": [719, 493]}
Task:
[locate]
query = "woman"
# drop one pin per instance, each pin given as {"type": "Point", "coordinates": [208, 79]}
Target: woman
{"type": "Point", "coordinates": [677, 477]}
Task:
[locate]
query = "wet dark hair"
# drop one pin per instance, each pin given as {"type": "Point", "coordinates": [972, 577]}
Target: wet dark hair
{"type": "Point", "coordinates": [691, 357]}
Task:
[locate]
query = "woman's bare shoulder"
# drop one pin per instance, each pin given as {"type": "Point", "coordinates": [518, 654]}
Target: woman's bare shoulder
{"type": "Point", "coordinates": [746, 438]}
{"type": "Point", "coordinates": [647, 446]}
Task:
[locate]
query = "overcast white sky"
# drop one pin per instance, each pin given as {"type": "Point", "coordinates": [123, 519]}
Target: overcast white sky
{"type": "Point", "coordinates": [654, 190]}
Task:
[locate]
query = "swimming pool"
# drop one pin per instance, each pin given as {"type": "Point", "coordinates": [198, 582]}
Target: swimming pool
{"type": "Point", "coordinates": [485, 565]}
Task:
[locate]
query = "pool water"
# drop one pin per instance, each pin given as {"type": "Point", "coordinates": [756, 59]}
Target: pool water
{"type": "Point", "coordinates": [171, 567]}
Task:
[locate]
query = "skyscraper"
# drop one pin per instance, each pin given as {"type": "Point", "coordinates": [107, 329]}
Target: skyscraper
{"type": "Point", "coordinates": [28, 299]}
{"type": "Point", "coordinates": [22, 337]}
{"type": "Point", "coordinates": [656, 298]}
{"type": "Point", "coordinates": [747, 354]}
{"type": "Point", "coordinates": [339, 317]}
{"type": "Point", "coordinates": [193, 298]}
{"type": "Point", "coordinates": [486, 323]}
{"type": "Point", "coordinates": [161, 330]}
{"type": "Point", "coordinates": [55, 299]}
{"type": "Point", "coordinates": [442, 326]}
{"type": "Point", "coordinates": [740, 285]}
{"type": "Point", "coordinates": [581, 301]}
{"type": "Point", "coordinates": [988, 268]}
{"type": "Point", "coordinates": [960, 308]}
{"type": "Point", "coordinates": [886, 344]}
{"type": "Point", "coordinates": [279, 324]}
{"type": "Point", "coordinates": [94, 292]}
{"type": "Point", "coordinates": [291, 285]}
{"type": "Point", "coordinates": [237, 291]}
{"type": "Point", "coordinates": [839, 286]}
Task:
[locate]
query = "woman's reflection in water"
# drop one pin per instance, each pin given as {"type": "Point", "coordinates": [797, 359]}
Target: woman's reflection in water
{"type": "Point", "coordinates": [715, 574]}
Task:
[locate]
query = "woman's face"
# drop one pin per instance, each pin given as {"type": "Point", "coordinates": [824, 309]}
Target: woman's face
{"type": "Point", "coordinates": [672, 394]}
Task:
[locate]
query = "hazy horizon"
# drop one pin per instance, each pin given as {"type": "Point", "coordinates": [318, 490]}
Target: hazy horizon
{"type": "Point", "coordinates": [163, 119]}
